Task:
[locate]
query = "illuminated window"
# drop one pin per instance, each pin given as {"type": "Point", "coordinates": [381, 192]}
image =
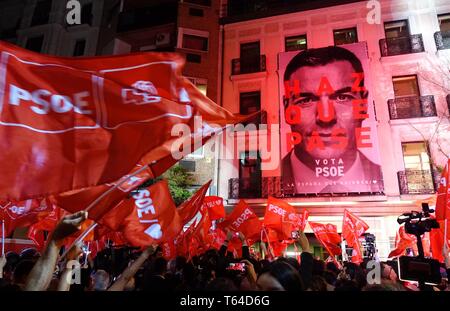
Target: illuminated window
{"type": "Point", "coordinates": [345, 36]}
{"type": "Point", "coordinates": [405, 86]}
{"type": "Point", "coordinates": [415, 156]}
{"type": "Point", "coordinates": [444, 22]}
{"type": "Point", "coordinates": [295, 43]}
{"type": "Point", "coordinates": [396, 29]}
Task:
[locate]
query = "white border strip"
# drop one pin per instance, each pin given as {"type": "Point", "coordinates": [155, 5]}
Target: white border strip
{"type": "Point", "coordinates": [3, 64]}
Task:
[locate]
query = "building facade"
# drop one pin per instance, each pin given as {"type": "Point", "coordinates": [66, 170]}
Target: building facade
{"type": "Point", "coordinates": [41, 26]}
{"type": "Point", "coordinates": [408, 59]}
{"type": "Point", "coordinates": [188, 27]}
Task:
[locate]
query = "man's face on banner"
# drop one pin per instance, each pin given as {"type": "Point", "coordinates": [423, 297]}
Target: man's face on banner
{"type": "Point", "coordinates": [339, 75]}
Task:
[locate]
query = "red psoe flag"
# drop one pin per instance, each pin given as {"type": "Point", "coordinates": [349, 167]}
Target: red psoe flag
{"type": "Point", "coordinates": [299, 220]}
{"type": "Point", "coordinates": [78, 200]}
{"type": "Point", "coordinates": [36, 231]}
{"type": "Point", "coordinates": [243, 219]}
{"type": "Point", "coordinates": [214, 205]}
{"type": "Point", "coordinates": [72, 123]}
{"type": "Point", "coordinates": [24, 213]}
{"type": "Point", "coordinates": [403, 240]}
{"type": "Point", "coordinates": [443, 195]}
{"type": "Point", "coordinates": [352, 228]}
{"type": "Point", "coordinates": [277, 217]}
{"type": "Point", "coordinates": [189, 208]}
{"type": "Point", "coordinates": [148, 217]}
{"type": "Point", "coordinates": [328, 237]}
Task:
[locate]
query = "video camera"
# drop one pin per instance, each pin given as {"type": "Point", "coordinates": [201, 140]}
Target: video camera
{"type": "Point", "coordinates": [426, 271]}
{"type": "Point", "coordinates": [418, 223]}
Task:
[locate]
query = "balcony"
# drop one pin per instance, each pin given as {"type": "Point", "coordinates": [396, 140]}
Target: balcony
{"type": "Point", "coordinates": [416, 182]}
{"type": "Point", "coordinates": [412, 107]}
{"type": "Point", "coordinates": [239, 67]}
{"type": "Point", "coordinates": [402, 45]}
{"type": "Point", "coordinates": [442, 39]}
{"type": "Point", "coordinates": [244, 188]}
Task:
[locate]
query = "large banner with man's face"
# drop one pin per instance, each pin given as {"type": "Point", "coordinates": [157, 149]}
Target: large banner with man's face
{"type": "Point", "coordinates": [328, 130]}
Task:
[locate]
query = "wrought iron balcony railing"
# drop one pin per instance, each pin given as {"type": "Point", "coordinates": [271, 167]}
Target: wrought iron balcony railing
{"type": "Point", "coordinates": [442, 39]}
{"type": "Point", "coordinates": [412, 107]}
{"type": "Point", "coordinates": [402, 45]}
{"type": "Point", "coordinates": [239, 66]}
{"type": "Point", "coordinates": [244, 188]}
{"type": "Point", "coordinates": [416, 182]}
{"type": "Point", "coordinates": [254, 188]}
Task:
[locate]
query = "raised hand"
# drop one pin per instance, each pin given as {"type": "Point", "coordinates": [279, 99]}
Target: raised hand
{"type": "Point", "coordinates": [68, 225]}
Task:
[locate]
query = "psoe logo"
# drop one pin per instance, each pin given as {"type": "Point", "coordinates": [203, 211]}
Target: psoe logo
{"type": "Point", "coordinates": [73, 16]}
{"type": "Point", "coordinates": [141, 93]}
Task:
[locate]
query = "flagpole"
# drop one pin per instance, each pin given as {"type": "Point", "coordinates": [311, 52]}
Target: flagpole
{"type": "Point", "coordinates": [344, 253]}
{"type": "Point", "coordinates": [104, 194]}
{"type": "Point", "coordinates": [445, 237]}
{"type": "Point", "coordinates": [80, 238]}
{"type": "Point", "coordinates": [3, 238]}
{"type": "Point", "coordinates": [268, 243]}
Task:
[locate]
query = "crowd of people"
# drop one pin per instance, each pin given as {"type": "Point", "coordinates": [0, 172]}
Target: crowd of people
{"type": "Point", "coordinates": [131, 269]}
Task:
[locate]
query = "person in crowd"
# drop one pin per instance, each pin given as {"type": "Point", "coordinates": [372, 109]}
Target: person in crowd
{"type": "Point", "coordinates": [100, 281]}
{"type": "Point", "coordinates": [280, 276]}
{"type": "Point", "coordinates": [154, 278]}
{"type": "Point", "coordinates": [125, 269]}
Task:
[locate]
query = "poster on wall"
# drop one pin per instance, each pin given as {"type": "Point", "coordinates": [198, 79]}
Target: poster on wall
{"type": "Point", "coordinates": [329, 140]}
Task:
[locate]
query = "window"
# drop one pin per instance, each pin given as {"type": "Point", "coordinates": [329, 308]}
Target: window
{"type": "Point", "coordinates": [396, 29]}
{"type": "Point", "coordinates": [444, 22]}
{"type": "Point", "coordinates": [415, 156]}
{"type": "Point", "coordinates": [196, 12]}
{"type": "Point", "coordinates": [35, 44]}
{"type": "Point", "coordinates": [80, 47]}
{"type": "Point", "coordinates": [345, 36]}
{"type": "Point", "coordinates": [86, 14]}
{"type": "Point", "coordinates": [250, 174]}
{"type": "Point", "coordinates": [193, 58]}
{"type": "Point", "coordinates": [405, 86]}
{"type": "Point", "coordinates": [193, 42]}
{"type": "Point", "coordinates": [187, 165]}
{"type": "Point", "coordinates": [249, 102]}
{"type": "Point", "coordinates": [417, 176]}
{"type": "Point", "coordinates": [295, 43]}
{"type": "Point", "coordinates": [41, 13]}
{"type": "Point", "coordinates": [250, 57]}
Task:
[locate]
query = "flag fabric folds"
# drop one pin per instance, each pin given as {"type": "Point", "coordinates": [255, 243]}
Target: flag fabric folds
{"type": "Point", "coordinates": [442, 211]}
{"type": "Point", "coordinates": [148, 217]}
{"type": "Point", "coordinates": [243, 219]}
{"type": "Point", "coordinates": [352, 228]}
{"type": "Point", "coordinates": [72, 123]}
